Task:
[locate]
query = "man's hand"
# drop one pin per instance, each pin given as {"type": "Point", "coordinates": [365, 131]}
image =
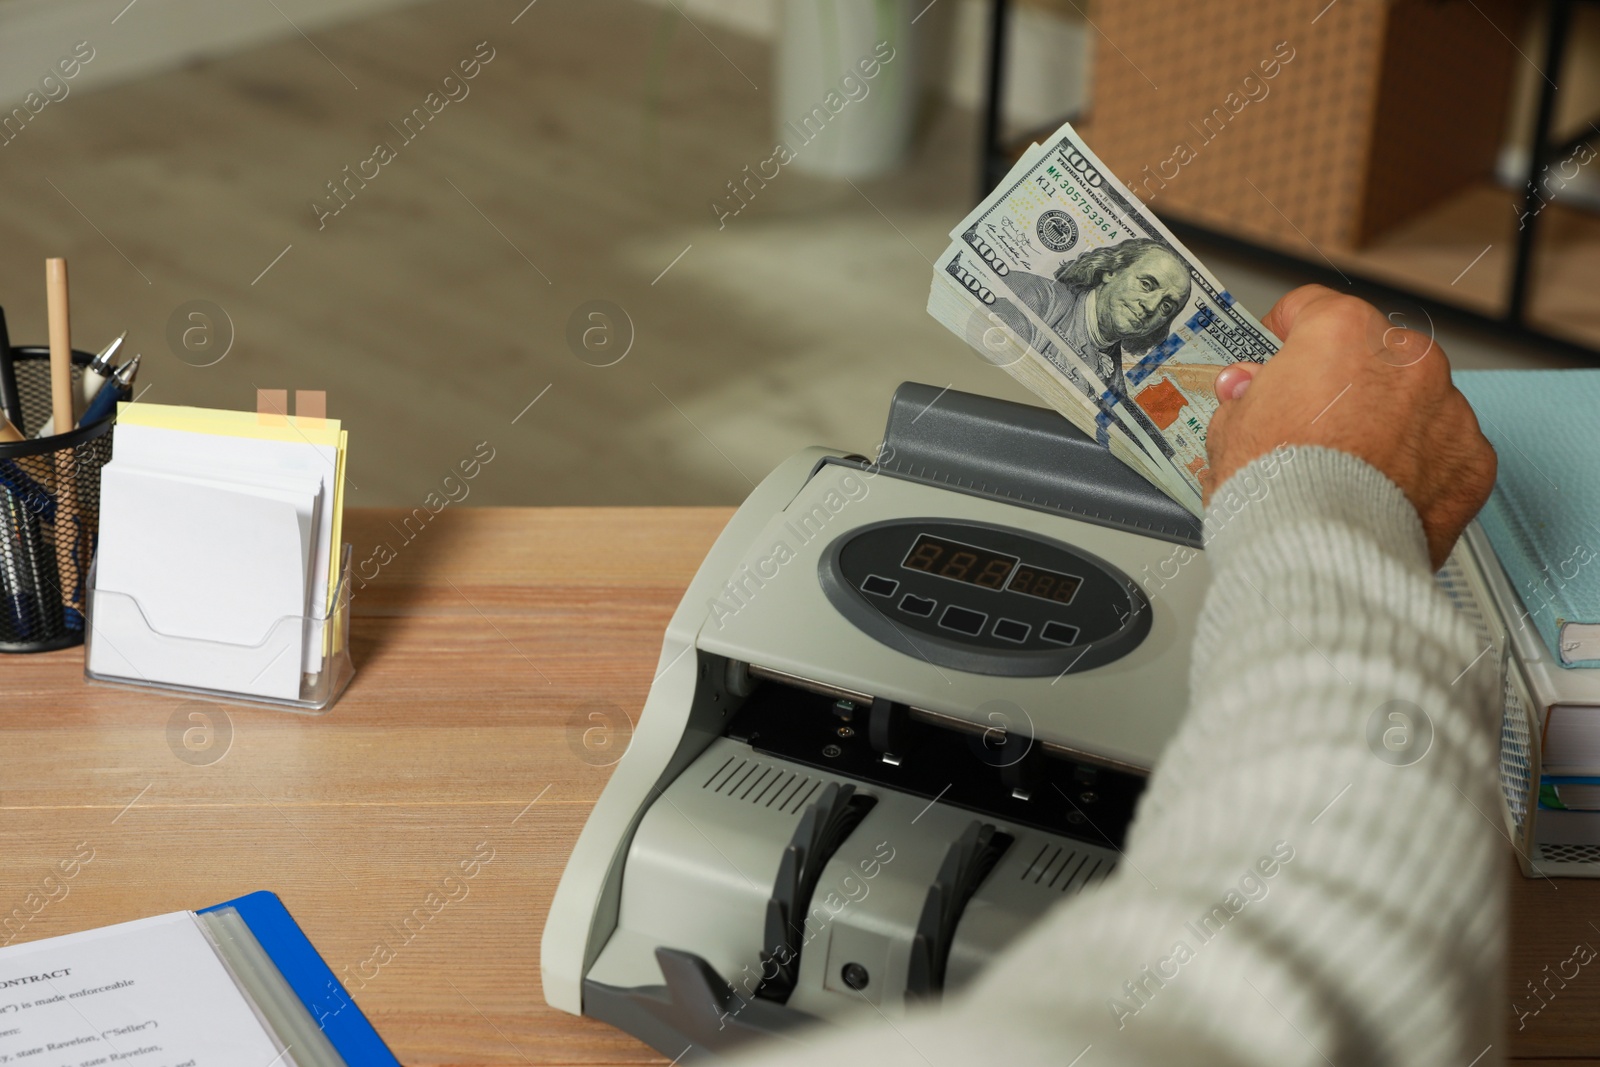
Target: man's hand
{"type": "Point", "coordinates": [1347, 379]}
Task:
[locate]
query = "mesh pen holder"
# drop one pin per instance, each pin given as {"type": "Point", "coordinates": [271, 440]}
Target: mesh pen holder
{"type": "Point", "coordinates": [310, 654]}
{"type": "Point", "coordinates": [49, 515]}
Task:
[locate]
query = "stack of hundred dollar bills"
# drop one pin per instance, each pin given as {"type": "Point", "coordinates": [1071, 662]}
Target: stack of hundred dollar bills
{"type": "Point", "coordinates": [1065, 280]}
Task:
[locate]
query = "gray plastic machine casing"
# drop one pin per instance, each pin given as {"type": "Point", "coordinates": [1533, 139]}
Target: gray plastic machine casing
{"type": "Point", "coordinates": [946, 456]}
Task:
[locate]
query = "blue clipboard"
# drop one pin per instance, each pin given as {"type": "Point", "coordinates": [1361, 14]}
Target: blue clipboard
{"type": "Point", "coordinates": [302, 966]}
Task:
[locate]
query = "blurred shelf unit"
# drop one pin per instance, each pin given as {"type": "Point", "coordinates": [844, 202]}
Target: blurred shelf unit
{"type": "Point", "coordinates": [1358, 143]}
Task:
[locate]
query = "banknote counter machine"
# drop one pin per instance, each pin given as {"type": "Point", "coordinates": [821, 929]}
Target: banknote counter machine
{"type": "Point", "coordinates": [905, 706]}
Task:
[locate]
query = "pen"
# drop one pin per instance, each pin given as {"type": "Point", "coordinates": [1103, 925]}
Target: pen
{"type": "Point", "coordinates": [131, 367]}
{"type": "Point", "coordinates": [103, 404]}
{"type": "Point", "coordinates": [126, 373]}
{"type": "Point", "coordinates": [27, 489]}
{"type": "Point", "coordinates": [26, 504]}
{"type": "Point", "coordinates": [117, 388]}
{"type": "Point", "coordinates": [13, 576]}
{"type": "Point", "coordinates": [10, 399]}
{"type": "Point", "coordinates": [106, 397]}
{"type": "Point", "coordinates": [100, 368]}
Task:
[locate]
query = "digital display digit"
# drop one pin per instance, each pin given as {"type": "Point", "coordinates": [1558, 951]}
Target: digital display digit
{"type": "Point", "coordinates": [959, 562]}
{"type": "Point", "coordinates": [1046, 585]}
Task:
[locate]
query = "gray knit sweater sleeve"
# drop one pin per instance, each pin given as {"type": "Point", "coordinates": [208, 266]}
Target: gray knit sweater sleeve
{"type": "Point", "coordinates": [1315, 875]}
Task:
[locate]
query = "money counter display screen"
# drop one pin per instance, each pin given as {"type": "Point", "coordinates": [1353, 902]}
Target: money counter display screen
{"type": "Point", "coordinates": [1046, 585]}
{"type": "Point", "coordinates": [992, 570]}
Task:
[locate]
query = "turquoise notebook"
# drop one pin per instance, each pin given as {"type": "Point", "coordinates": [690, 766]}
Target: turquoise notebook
{"type": "Point", "coordinates": [1544, 516]}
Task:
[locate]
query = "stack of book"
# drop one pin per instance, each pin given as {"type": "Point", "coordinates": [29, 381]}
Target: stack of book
{"type": "Point", "coordinates": [1542, 526]}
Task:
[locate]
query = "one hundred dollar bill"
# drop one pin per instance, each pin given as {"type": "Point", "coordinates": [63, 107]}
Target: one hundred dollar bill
{"type": "Point", "coordinates": [1061, 376]}
{"type": "Point", "coordinates": [1073, 261]}
{"type": "Point", "coordinates": [966, 301]}
{"type": "Point", "coordinates": [957, 300]}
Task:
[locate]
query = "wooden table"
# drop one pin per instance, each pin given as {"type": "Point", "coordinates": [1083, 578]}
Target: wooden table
{"type": "Point", "coordinates": [481, 651]}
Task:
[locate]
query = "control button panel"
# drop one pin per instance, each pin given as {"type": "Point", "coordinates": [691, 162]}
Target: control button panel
{"type": "Point", "coordinates": [878, 585]}
{"type": "Point", "coordinates": [963, 620]}
{"type": "Point", "coordinates": [1012, 630]}
{"type": "Point", "coordinates": [1060, 633]}
{"type": "Point", "coordinates": [985, 598]}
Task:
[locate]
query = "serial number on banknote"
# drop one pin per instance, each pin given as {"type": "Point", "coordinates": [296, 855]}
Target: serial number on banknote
{"type": "Point", "coordinates": [1079, 198]}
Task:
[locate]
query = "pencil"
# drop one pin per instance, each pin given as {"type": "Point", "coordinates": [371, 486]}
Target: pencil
{"type": "Point", "coordinates": [67, 526]}
{"type": "Point", "coordinates": [55, 289]}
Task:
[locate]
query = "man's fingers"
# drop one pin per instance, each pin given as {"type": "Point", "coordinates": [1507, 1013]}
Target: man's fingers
{"type": "Point", "coordinates": [1233, 380]}
{"type": "Point", "coordinates": [1402, 347]}
{"type": "Point", "coordinates": [1280, 320]}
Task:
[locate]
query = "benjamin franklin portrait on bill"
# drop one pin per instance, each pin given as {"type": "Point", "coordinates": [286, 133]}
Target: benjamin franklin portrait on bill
{"type": "Point", "coordinates": [1111, 305]}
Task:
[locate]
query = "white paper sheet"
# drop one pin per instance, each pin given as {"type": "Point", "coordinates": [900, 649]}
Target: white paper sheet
{"type": "Point", "coordinates": [149, 993]}
{"type": "Point", "coordinates": [202, 583]}
{"type": "Point", "coordinates": [211, 455]}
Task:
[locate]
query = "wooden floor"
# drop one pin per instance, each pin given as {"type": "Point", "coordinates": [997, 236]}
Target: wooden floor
{"type": "Point", "coordinates": [1461, 252]}
{"type": "Point", "coordinates": [434, 307]}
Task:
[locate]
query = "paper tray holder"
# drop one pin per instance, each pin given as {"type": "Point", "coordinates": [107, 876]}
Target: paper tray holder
{"type": "Point", "coordinates": [318, 690]}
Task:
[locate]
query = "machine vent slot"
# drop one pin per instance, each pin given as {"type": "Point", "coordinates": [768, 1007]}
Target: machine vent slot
{"type": "Point", "coordinates": [1065, 869]}
{"type": "Point", "coordinates": [1549, 853]}
{"type": "Point", "coordinates": [1452, 578]}
{"type": "Point", "coordinates": [1518, 783]}
{"type": "Point", "coordinates": [1516, 754]}
{"type": "Point", "coordinates": [754, 782]}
